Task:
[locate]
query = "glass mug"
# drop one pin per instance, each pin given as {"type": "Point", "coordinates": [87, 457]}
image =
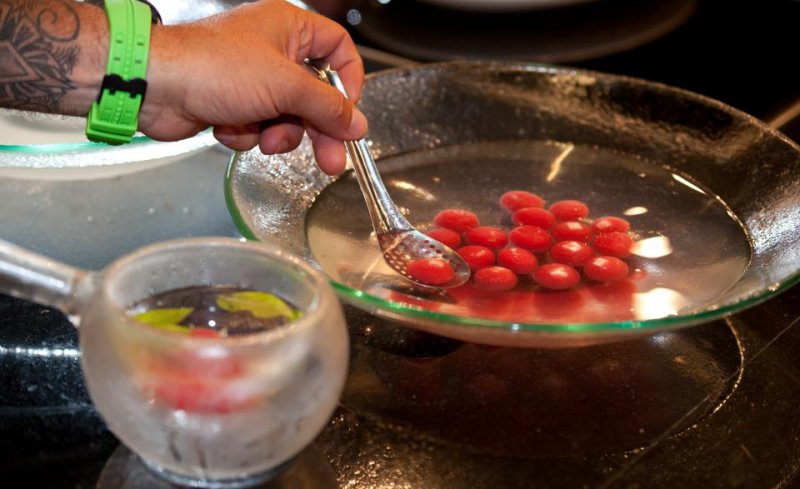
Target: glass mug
{"type": "Point", "coordinates": [246, 404]}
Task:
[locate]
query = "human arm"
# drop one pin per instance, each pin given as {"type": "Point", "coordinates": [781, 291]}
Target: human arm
{"type": "Point", "coordinates": [52, 55]}
{"type": "Point", "coordinates": [240, 71]}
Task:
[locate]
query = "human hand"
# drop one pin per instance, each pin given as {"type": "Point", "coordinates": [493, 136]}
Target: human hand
{"type": "Point", "coordinates": [242, 72]}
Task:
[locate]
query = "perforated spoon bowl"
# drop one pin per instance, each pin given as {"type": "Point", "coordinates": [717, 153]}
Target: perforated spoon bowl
{"type": "Point", "coordinates": [399, 241]}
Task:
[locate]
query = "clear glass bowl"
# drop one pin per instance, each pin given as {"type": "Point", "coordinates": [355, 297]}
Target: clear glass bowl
{"type": "Point", "coordinates": [37, 141]}
{"type": "Point", "coordinates": [710, 191]}
{"type": "Point", "coordinates": [210, 413]}
{"type": "Point", "coordinates": [88, 203]}
{"type": "Point", "coordinates": [228, 410]}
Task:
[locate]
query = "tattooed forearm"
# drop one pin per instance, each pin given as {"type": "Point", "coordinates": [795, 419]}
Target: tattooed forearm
{"type": "Point", "coordinates": [38, 52]}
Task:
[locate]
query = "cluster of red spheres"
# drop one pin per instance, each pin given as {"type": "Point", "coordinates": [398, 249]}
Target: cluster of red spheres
{"type": "Point", "coordinates": [554, 246]}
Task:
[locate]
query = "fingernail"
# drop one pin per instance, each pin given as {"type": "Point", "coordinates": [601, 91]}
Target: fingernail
{"type": "Point", "coordinates": [358, 124]}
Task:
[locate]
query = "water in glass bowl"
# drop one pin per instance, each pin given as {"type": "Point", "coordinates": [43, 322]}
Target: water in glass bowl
{"type": "Point", "coordinates": [689, 247]}
{"type": "Point", "coordinates": [215, 310]}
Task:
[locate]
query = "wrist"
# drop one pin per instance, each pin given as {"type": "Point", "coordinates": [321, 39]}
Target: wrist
{"type": "Point", "coordinates": [90, 63]}
{"type": "Point", "coordinates": [161, 84]}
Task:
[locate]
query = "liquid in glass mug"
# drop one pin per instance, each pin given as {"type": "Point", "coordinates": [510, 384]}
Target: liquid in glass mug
{"type": "Point", "coordinates": [201, 410]}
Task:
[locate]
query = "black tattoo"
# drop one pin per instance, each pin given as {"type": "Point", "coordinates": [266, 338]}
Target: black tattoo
{"type": "Point", "coordinates": [38, 51]}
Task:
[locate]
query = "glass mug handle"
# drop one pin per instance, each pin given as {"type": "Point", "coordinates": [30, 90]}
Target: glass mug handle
{"type": "Point", "coordinates": [30, 276]}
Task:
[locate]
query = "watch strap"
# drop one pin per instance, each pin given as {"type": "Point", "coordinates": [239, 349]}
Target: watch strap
{"type": "Point", "coordinates": [114, 117]}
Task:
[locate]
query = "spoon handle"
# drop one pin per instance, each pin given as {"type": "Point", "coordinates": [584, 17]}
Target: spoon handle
{"type": "Point", "coordinates": [382, 210]}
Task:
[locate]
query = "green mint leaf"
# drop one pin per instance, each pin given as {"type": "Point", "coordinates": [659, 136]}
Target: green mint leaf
{"type": "Point", "coordinates": [166, 318]}
{"type": "Point", "coordinates": [262, 305]}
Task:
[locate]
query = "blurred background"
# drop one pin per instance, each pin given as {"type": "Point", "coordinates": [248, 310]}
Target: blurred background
{"type": "Point", "coordinates": [737, 52]}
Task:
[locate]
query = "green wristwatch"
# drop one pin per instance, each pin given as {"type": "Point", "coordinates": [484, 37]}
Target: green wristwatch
{"type": "Point", "coordinates": [114, 117]}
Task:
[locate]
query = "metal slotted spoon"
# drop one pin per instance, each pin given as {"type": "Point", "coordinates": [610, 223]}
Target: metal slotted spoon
{"type": "Point", "coordinates": [399, 241]}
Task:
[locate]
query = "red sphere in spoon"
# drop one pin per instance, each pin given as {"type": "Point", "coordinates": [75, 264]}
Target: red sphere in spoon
{"type": "Point", "coordinates": [430, 271]}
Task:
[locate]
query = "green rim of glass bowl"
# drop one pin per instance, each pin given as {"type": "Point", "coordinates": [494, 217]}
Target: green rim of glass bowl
{"type": "Point", "coordinates": [63, 147]}
{"type": "Point", "coordinates": [355, 296]}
